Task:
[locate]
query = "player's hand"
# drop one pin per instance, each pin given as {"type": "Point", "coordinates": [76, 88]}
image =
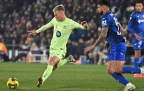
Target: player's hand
{"type": "Point", "coordinates": [137, 37]}
{"type": "Point", "coordinates": [89, 48]}
{"type": "Point", "coordinates": [106, 46]}
{"type": "Point", "coordinates": [32, 32]}
{"type": "Point", "coordinates": [84, 23]}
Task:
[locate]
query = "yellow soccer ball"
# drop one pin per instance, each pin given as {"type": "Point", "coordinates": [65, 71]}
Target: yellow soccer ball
{"type": "Point", "coordinates": [12, 83]}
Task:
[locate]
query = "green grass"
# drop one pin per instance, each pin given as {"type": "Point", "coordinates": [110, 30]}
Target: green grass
{"type": "Point", "coordinates": [66, 78]}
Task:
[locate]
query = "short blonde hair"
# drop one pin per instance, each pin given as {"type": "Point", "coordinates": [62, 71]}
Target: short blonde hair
{"type": "Point", "coordinates": [59, 8]}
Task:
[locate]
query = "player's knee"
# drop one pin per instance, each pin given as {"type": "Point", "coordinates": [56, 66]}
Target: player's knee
{"type": "Point", "coordinates": [50, 62]}
{"type": "Point", "coordinates": [110, 71]}
{"type": "Point", "coordinates": [137, 53]}
{"type": "Point", "coordinates": [119, 70]}
{"type": "Point", "coordinates": [137, 56]}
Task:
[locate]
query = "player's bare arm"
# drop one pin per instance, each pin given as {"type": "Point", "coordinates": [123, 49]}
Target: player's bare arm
{"type": "Point", "coordinates": [99, 40]}
{"type": "Point", "coordinates": [83, 25]}
{"type": "Point", "coordinates": [120, 26]}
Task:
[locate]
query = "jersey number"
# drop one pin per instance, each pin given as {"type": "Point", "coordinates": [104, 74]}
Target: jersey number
{"type": "Point", "coordinates": [116, 22]}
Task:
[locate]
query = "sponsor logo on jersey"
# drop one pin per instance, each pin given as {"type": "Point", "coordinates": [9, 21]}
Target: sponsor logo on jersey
{"type": "Point", "coordinates": [58, 33]}
{"type": "Point", "coordinates": [104, 22]}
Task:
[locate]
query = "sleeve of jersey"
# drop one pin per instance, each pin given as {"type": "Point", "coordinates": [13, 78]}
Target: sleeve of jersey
{"type": "Point", "coordinates": [78, 26]}
{"type": "Point", "coordinates": [105, 23]}
{"type": "Point", "coordinates": [45, 27]}
{"type": "Point", "coordinates": [130, 25]}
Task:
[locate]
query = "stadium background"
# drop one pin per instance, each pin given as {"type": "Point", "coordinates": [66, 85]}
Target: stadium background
{"type": "Point", "coordinates": [19, 16]}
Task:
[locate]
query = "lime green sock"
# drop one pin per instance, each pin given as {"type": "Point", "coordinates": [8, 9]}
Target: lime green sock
{"type": "Point", "coordinates": [62, 62]}
{"type": "Point", "coordinates": [47, 72]}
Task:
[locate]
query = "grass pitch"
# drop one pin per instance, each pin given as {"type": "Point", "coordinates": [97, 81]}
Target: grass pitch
{"type": "Point", "coordinates": [66, 78]}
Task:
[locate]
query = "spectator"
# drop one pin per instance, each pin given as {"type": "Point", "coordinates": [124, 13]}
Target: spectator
{"type": "Point", "coordinates": [3, 51]}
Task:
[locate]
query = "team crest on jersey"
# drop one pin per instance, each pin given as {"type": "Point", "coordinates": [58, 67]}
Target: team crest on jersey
{"type": "Point", "coordinates": [104, 22]}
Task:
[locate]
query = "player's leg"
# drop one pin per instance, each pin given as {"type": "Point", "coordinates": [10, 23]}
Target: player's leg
{"type": "Point", "coordinates": [137, 50]}
{"type": "Point", "coordinates": [111, 67]}
{"type": "Point", "coordinates": [113, 71]}
{"type": "Point", "coordinates": [131, 70]}
{"type": "Point", "coordinates": [63, 61]}
{"type": "Point", "coordinates": [137, 57]}
{"type": "Point", "coordinates": [115, 65]}
{"type": "Point", "coordinates": [51, 63]}
{"type": "Point", "coordinates": [141, 63]}
{"type": "Point", "coordinates": [119, 69]}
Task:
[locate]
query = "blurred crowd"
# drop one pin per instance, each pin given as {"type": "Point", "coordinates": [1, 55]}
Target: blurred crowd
{"type": "Point", "coordinates": [19, 16]}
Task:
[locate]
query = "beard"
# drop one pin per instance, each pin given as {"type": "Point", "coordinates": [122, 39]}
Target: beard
{"type": "Point", "coordinates": [101, 12]}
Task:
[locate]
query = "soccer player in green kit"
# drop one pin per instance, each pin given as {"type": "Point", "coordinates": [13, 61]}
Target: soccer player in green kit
{"type": "Point", "coordinates": [63, 27]}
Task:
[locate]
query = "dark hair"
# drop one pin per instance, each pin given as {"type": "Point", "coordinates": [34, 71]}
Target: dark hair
{"type": "Point", "coordinates": [104, 2]}
{"type": "Point", "coordinates": [59, 7]}
{"type": "Point", "coordinates": [139, 1]}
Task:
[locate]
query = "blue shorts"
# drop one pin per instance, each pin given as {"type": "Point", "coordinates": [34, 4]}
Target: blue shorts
{"type": "Point", "coordinates": [117, 52]}
{"type": "Point", "coordinates": [138, 45]}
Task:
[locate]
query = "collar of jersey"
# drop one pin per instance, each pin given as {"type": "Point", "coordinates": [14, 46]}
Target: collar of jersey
{"type": "Point", "coordinates": [107, 13]}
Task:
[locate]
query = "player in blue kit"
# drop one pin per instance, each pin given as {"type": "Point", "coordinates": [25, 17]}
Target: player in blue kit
{"type": "Point", "coordinates": [116, 58]}
{"type": "Point", "coordinates": [136, 28]}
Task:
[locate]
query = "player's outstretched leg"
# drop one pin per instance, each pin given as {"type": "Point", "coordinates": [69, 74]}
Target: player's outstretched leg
{"type": "Point", "coordinates": [46, 74]}
{"type": "Point", "coordinates": [115, 69]}
{"type": "Point", "coordinates": [51, 63]}
{"type": "Point", "coordinates": [133, 70]}
{"type": "Point", "coordinates": [64, 61]}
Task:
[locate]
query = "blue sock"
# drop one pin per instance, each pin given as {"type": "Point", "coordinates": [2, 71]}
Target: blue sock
{"type": "Point", "coordinates": [131, 70]}
{"type": "Point", "coordinates": [141, 62]}
{"type": "Point", "coordinates": [136, 62]}
{"type": "Point", "coordinates": [120, 78]}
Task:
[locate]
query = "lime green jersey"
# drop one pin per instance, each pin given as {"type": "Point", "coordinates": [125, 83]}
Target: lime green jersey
{"type": "Point", "coordinates": [62, 31]}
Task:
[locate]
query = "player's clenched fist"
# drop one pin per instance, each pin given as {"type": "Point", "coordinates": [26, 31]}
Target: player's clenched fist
{"type": "Point", "coordinates": [84, 23]}
{"type": "Point", "coordinates": [32, 32]}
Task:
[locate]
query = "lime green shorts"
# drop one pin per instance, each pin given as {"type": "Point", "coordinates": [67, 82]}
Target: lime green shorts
{"type": "Point", "coordinates": [60, 53]}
